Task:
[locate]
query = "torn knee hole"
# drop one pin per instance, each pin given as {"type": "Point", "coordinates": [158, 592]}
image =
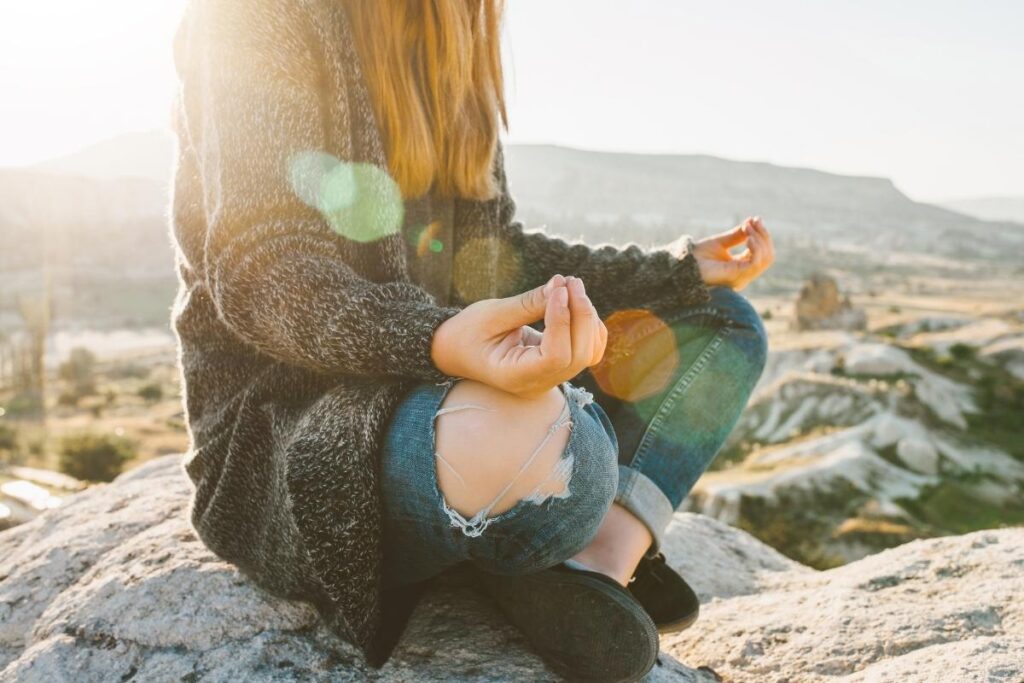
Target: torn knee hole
{"type": "Point", "coordinates": [554, 485]}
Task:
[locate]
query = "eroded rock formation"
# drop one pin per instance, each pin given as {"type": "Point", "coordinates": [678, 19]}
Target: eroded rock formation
{"type": "Point", "coordinates": [820, 306]}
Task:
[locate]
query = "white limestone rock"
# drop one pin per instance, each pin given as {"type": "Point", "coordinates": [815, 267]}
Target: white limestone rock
{"type": "Point", "coordinates": [114, 586]}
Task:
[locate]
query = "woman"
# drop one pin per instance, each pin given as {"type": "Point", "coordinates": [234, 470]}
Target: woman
{"type": "Point", "coordinates": [385, 376]}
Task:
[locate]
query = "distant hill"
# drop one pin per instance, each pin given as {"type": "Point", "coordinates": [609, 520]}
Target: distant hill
{"type": "Point", "coordinates": [103, 210]}
{"type": "Point", "coordinates": [146, 154]}
{"type": "Point", "coordinates": [647, 198]}
{"type": "Point", "coordinates": [990, 208]}
{"type": "Point", "coordinates": [103, 244]}
{"type": "Point", "coordinates": [618, 196]}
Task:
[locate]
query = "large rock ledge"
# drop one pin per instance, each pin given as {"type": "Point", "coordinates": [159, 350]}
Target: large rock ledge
{"type": "Point", "coordinates": [114, 586]}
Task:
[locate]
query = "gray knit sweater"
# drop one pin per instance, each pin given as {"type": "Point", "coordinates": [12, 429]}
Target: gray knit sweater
{"type": "Point", "coordinates": [297, 341]}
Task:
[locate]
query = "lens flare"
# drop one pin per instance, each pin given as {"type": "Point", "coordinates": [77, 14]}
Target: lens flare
{"type": "Point", "coordinates": [307, 171]}
{"type": "Point", "coordinates": [425, 239]}
{"type": "Point", "coordinates": [487, 267]}
{"type": "Point", "coordinates": [360, 201]}
{"type": "Point", "coordinates": [641, 357]}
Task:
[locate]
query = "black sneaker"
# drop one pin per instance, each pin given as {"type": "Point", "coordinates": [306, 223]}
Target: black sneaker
{"type": "Point", "coordinates": [671, 603]}
{"type": "Point", "coordinates": [585, 625]}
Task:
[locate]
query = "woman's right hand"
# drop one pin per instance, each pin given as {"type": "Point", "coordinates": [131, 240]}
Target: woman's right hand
{"type": "Point", "coordinates": [489, 341]}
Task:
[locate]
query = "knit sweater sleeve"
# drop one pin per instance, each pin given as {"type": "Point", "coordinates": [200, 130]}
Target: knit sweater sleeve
{"type": "Point", "coordinates": [615, 277]}
{"type": "Point", "coordinates": [275, 267]}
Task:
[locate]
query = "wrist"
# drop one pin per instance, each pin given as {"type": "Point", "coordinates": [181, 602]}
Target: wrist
{"type": "Point", "coordinates": [441, 353]}
{"type": "Point", "coordinates": [691, 277]}
{"type": "Point", "coordinates": [702, 269]}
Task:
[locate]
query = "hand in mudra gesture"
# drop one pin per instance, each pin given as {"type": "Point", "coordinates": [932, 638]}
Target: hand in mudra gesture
{"type": "Point", "coordinates": [490, 340]}
{"type": "Point", "coordinates": [718, 266]}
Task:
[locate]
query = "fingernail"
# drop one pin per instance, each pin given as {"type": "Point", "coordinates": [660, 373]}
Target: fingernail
{"type": "Point", "coordinates": [562, 296]}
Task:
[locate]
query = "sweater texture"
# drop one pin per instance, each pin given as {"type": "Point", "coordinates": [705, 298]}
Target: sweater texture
{"type": "Point", "coordinates": [297, 334]}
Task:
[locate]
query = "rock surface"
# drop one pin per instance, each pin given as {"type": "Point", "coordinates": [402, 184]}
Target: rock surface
{"type": "Point", "coordinates": [114, 586]}
{"type": "Point", "coordinates": [944, 609]}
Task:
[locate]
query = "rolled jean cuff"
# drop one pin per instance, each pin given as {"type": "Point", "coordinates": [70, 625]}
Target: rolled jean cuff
{"type": "Point", "coordinates": [641, 496]}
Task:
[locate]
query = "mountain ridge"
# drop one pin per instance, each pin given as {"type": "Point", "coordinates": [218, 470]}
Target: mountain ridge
{"type": "Point", "coordinates": [989, 208]}
{"type": "Point", "coordinates": [112, 198]}
{"type": "Point", "coordinates": [150, 154]}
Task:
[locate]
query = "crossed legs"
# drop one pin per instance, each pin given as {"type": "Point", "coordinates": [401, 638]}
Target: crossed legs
{"type": "Point", "coordinates": [704, 361]}
{"type": "Point", "coordinates": [595, 486]}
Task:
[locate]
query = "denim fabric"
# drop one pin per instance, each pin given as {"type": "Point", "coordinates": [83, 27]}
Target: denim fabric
{"type": "Point", "coordinates": [421, 538]}
{"type": "Point", "coordinates": [706, 373]}
{"type": "Point", "coordinates": [697, 366]}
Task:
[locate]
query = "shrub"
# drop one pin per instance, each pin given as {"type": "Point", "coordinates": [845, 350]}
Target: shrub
{"type": "Point", "coordinates": [93, 457]}
{"type": "Point", "coordinates": [28, 403]}
{"type": "Point", "coordinates": [67, 398]}
{"type": "Point", "coordinates": [961, 352]}
{"type": "Point", "coordinates": [128, 371]}
{"type": "Point", "coordinates": [151, 392]}
{"type": "Point", "coordinates": [8, 444]}
{"type": "Point", "coordinates": [8, 437]}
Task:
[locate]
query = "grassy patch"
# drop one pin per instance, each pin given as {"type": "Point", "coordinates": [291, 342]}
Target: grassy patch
{"type": "Point", "coordinates": [999, 395]}
{"type": "Point", "coordinates": [951, 508]}
{"type": "Point", "coordinates": [798, 525]}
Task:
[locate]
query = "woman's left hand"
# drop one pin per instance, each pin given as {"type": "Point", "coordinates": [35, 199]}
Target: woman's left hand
{"type": "Point", "coordinates": [720, 267]}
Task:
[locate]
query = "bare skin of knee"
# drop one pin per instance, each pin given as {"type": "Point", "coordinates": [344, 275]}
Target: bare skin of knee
{"type": "Point", "coordinates": [487, 448]}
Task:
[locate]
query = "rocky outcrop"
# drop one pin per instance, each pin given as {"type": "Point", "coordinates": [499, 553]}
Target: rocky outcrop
{"type": "Point", "coordinates": [114, 585]}
{"type": "Point", "coordinates": [853, 443]}
{"type": "Point", "coordinates": [821, 307]}
{"type": "Point", "coordinates": [945, 609]}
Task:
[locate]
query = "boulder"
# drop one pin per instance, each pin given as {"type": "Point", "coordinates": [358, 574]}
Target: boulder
{"type": "Point", "coordinates": [919, 455]}
{"type": "Point", "coordinates": [115, 586]}
{"type": "Point", "coordinates": [945, 609]}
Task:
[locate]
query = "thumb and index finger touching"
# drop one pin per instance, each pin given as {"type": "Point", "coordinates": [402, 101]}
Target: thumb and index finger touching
{"type": "Point", "coordinates": [548, 302]}
{"type": "Point", "coordinates": [530, 306]}
{"type": "Point", "coordinates": [736, 236]}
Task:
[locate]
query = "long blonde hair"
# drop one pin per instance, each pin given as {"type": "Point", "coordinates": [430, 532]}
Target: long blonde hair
{"type": "Point", "coordinates": [433, 68]}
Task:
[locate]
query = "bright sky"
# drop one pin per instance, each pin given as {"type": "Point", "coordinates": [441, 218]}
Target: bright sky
{"type": "Point", "coordinates": [927, 92]}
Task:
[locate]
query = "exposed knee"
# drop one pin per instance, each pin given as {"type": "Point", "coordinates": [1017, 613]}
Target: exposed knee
{"type": "Point", "coordinates": [484, 437]}
{"type": "Point", "coordinates": [579, 516]}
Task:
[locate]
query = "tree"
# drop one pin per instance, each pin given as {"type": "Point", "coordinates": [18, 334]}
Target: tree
{"type": "Point", "coordinates": [78, 371]}
{"type": "Point", "coordinates": [36, 312]}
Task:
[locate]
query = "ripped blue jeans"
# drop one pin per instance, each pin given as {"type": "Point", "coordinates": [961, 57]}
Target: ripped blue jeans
{"type": "Point", "coordinates": [644, 425]}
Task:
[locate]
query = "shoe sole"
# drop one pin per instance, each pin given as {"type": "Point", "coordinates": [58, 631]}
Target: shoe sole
{"type": "Point", "coordinates": [679, 624]}
{"type": "Point", "coordinates": [564, 637]}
